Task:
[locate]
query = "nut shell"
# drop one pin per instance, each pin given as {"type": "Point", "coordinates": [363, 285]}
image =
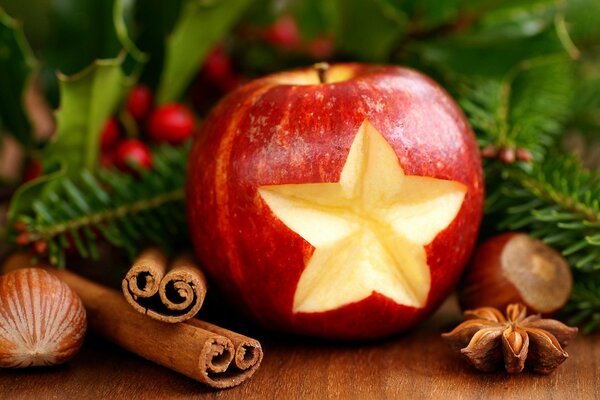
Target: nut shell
{"type": "Point", "coordinates": [42, 320]}
{"type": "Point", "coordinates": [516, 268]}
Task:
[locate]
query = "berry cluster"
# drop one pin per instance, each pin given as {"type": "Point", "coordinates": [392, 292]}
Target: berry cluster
{"type": "Point", "coordinates": [171, 123]}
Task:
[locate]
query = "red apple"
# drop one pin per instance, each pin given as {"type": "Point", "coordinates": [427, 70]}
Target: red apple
{"type": "Point", "coordinates": [338, 202]}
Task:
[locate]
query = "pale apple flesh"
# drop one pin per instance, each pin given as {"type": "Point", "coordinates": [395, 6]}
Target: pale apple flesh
{"type": "Point", "coordinates": [368, 230]}
{"type": "Point", "coordinates": [344, 209]}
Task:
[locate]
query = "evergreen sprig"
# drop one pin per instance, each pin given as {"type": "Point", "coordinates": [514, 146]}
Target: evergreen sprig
{"type": "Point", "coordinates": [526, 109]}
{"type": "Point", "coordinates": [584, 305]}
{"type": "Point", "coordinates": [127, 210]}
{"type": "Point", "coordinates": [557, 201]}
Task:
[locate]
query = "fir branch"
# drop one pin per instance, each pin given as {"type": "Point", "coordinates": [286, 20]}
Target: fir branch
{"type": "Point", "coordinates": [558, 201]}
{"type": "Point", "coordinates": [527, 108]}
{"type": "Point", "coordinates": [128, 211]}
{"type": "Point", "coordinates": [584, 305]}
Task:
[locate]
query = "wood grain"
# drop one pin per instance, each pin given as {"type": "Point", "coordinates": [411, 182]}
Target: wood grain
{"type": "Point", "coordinates": [417, 365]}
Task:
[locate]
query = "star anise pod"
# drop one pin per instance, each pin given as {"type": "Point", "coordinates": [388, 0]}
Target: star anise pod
{"type": "Point", "coordinates": [488, 339]}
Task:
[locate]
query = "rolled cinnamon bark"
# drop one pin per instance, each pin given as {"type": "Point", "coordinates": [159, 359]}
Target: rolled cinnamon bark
{"type": "Point", "coordinates": [198, 349]}
{"type": "Point", "coordinates": [145, 275]}
{"type": "Point", "coordinates": [173, 296]}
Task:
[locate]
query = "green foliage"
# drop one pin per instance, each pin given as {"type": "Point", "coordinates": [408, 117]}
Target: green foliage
{"type": "Point", "coordinates": [527, 108]}
{"type": "Point", "coordinates": [201, 24]}
{"type": "Point", "coordinates": [427, 15]}
{"type": "Point", "coordinates": [154, 21]}
{"type": "Point", "coordinates": [583, 22]}
{"type": "Point", "coordinates": [17, 64]}
{"type": "Point", "coordinates": [558, 201]}
{"type": "Point", "coordinates": [312, 16]}
{"type": "Point", "coordinates": [367, 30]}
{"type": "Point", "coordinates": [87, 100]}
{"type": "Point", "coordinates": [127, 211]}
{"type": "Point", "coordinates": [122, 21]}
{"type": "Point", "coordinates": [584, 305]}
{"type": "Point", "coordinates": [87, 27]}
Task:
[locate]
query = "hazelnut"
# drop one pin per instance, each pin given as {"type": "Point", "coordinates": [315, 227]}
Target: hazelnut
{"type": "Point", "coordinates": [516, 268]}
{"type": "Point", "coordinates": [42, 320]}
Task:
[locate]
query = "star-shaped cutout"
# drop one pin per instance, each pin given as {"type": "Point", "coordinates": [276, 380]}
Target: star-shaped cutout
{"type": "Point", "coordinates": [369, 229]}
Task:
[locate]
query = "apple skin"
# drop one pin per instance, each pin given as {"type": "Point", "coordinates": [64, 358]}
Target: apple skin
{"type": "Point", "coordinates": [275, 131]}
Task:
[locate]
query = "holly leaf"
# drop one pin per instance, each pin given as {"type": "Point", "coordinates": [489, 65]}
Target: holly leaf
{"type": "Point", "coordinates": [154, 20]}
{"type": "Point", "coordinates": [135, 58]}
{"type": "Point", "coordinates": [17, 65]}
{"type": "Point", "coordinates": [87, 99]}
{"type": "Point", "coordinates": [201, 24]}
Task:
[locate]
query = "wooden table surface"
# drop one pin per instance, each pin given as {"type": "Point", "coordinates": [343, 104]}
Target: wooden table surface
{"type": "Point", "coordinates": [417, 365]}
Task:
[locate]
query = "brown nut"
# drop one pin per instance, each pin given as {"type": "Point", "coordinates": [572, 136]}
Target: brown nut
{"type": "Point", "coordinates": [42, 320]}
{"type": "Point", "coordinates": [516, 268]}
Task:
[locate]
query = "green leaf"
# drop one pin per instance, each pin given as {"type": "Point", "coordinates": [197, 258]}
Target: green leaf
{"type": "Point", "coordinates": [523, 19]}
{"type": "Point", "coordinates": [492, 43]}
{"type": "Point", "coordinates": [154, 21]}
{"type": "Point", "coordinates": [426, 15]}
{"type": "Point", "coordinates": [367, 30]}
{"type": "Point", "coordinates": [464, 58]}
{"type": "Point", "coordinates": [82, 32]}
{"type": "Point", "coordinates": [135, 58]}
{"type": "Point", "coordinates": [201, 24]}
{"type": "Point", "coordinates": [17, 65]}
{"type": "Point", "coordinates": [87, 100]}
{"type": "Point", "coordinates": [582, 18]}
{"type": "Point", "coordinates": [314, 17]}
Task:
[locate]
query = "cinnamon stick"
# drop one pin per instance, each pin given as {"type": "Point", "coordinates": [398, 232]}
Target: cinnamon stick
{"type": "Point", "coordinates": [173, 296]}
{"type": "Point", "coordinates": [202, 351]}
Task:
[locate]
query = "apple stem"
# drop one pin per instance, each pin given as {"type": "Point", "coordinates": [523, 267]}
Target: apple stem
{"type": "Point", "coordinates": [321, 69]}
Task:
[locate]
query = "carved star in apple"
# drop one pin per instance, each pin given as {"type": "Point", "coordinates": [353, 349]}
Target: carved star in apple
{"type": "Point", "coordinates": [369, 229]}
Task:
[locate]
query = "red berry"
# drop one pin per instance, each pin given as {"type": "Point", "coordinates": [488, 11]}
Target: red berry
{"type": "Point", "coordinates": [172, 123]}
{"type": "Point", "coordinates": [217, 65]}
{"type": "Point", "coordinates": [33, 170]}
{"type": "Point", "coordinates": [110, 133]}
{"type": "Point", "coordinates": [133, 151]}
{"type": "Point", "coordinates": [283, 33]}
{"type": "Point", "coordinates": [139, 102]}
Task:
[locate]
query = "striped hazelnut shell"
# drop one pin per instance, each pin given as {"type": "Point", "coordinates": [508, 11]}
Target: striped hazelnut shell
{"type": "Point", "coordinates": [42, 320]}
